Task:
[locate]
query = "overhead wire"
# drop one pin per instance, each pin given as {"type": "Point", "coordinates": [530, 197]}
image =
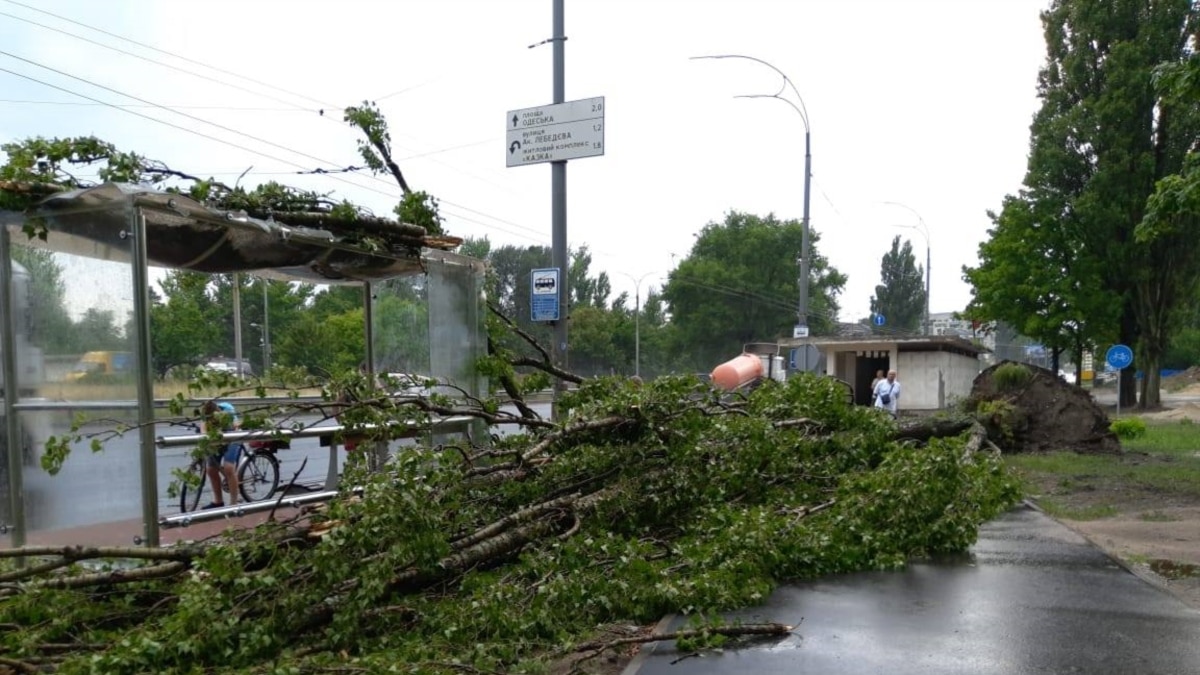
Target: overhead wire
{"type": "Point", "coordinates": [176, 110]}
{"type": "Point", "coordinates": [777, 302]}
{"type": "Point", "coordinates": [163, 107]}
{"type": "Point", "coordinates": [230, 143]}
{"type": "Point", "coordinates": [427, 155]}
{"type": "Point", "coordinates": [142, 105]}
{"type": "Point", "coordinates": [152, 48]}
{"type": "Point", "coordinates": [225, 128]}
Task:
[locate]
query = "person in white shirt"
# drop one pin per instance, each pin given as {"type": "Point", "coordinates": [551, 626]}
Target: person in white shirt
{"type": "Point", "coordinates": [887, 393]}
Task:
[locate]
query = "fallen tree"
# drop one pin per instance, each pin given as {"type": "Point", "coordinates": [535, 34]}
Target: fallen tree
{"type": "Point", "coordinates": [649, 499]}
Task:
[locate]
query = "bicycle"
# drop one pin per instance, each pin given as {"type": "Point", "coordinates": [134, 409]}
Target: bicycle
{"type": "Point", "coordinates": [257, 472]}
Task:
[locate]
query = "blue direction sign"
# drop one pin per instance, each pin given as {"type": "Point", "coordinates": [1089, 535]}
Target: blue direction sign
{"type": "Point", "coordinates": [1119, 356]}
{"type": "Point", "coordinates": [878, 319]}
{"type": "Point", "coordinates": [544, 293]}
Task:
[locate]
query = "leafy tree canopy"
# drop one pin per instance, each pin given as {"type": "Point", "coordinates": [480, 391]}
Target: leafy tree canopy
{"type": "Point", "coordinates": [1104, 137]}
{"type": "Point", "coordinates": [739, 285]}
{"type": "Point", "coordinates": [900, 295]}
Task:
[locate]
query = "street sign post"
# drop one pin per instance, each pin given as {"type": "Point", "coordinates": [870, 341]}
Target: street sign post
{"type": "Point", "coordinates": [1119, 357]}
{"type": "Point", "coordinates": [554, 133]}
{"type": "Point", "coordinates": [544, 292]}
{"type": "Point", "coordinates": [799, 331]}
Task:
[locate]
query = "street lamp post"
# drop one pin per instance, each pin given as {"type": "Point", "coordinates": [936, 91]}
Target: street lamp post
{"type": "Point", "coordinates": [805, 243]}
{"type": "Point", "coordinates": [266, 328]}
{"type": "Point", "coordinates": [637, 321]}
{"type": "Point", "coordinates": [924, 230]}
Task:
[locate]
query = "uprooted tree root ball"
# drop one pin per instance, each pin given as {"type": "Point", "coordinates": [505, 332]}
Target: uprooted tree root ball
{"type": "Point", "coordinates": [665, 497]}
{"type": "Point", "coordinates": [1030, 409]}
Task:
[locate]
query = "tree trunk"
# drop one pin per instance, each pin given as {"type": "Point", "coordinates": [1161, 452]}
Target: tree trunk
{"type": "Point", "coordinates": [1128, 336]}
{"type": "Point", "coordinates": [1151, 384]}
{"type": "Point", "coordinates": [1154, 345]}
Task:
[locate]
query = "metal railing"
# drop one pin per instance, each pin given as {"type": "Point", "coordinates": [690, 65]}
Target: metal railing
{"type": "Point", "coordinates": [395, 429]}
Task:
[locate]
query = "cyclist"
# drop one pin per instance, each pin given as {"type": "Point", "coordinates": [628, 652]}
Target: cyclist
{"type": "Point", "coordinates": [224, 416]}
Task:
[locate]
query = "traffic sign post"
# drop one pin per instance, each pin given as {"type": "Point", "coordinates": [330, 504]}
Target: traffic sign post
{"type": "Point", "coordinates": [1119, 357]}
{"type": "Point", "coordinates": [555, 133]}
{"type": "Point", "coordinates": [878, 320]}
{"type": "Point", "coordinates": [544, 292]}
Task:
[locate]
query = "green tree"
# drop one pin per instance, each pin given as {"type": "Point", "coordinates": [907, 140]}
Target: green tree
{"type": "Point", "coordinates": [1172, 218]}
{"type": "Point", "coordinates": [1100, 142]}
{"type": "Point", "coordinates": [185, 323]}
{"type": "Point", "coordinates": [900, 297]}
{"type": "Point", "coordinates": [586, 290]}
{"type": "Point", "coordinates": [594, 351]}
{"type": "Point", "coordinates": [98, 329]}
{"type": "Point", "coordinates": [323, 346]}
{"type": "Point", "coordinates": [1029, 279]}
{"type": "Point", "coordinates": [337, 299]}
{"type": "Point", "coordinates": [737, 284]}
{"type": "Point", "coordinates": [476, 247]}
{"type": "Point", "coordinates": [508, 289]}
{"type": "Point", "coordinates": [401, 331]}
{"type": "Point", "coordinates": [651, 330]}
{"type": "Point", "coordinates": [50, 325]}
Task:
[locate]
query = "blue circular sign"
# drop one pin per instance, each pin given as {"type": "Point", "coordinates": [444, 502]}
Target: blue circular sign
{"type": "Point", "coordinates": [1119, 356]}
{"type": "Point", "coordinates": [878, 319]}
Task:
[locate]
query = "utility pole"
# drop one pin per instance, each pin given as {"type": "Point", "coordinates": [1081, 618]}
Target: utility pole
{"type": "Point", "coordinates": [236, 292]}
{"type": "Point", "coordinates": [805, 263]}
{"type": "Point", "coordinates": [266, 327]}
{"type": "Point", "coordinates": [558, 210]}
{"type": "Point", "coordinates": [928, 266]}
{"type": "Point", "coordinates": [801, 330]}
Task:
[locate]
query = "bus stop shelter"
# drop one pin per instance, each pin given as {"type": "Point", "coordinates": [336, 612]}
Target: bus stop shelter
{"type": "Point", "coordinates": [109, 244]}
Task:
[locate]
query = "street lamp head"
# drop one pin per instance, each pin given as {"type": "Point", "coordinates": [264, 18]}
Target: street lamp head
{"type": "Point", "coordinates": [924, 228]}
{"type": "Point", "coordinates": [787, 83]}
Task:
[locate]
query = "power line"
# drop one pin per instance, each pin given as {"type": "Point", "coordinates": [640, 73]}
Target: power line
{"type": "Point", "coordinates": [324, 104]}
{"type": "Point", "coordinates": [162, 51]}
{"type": "Point", "coordinates": [140, 105]}
{"type": "Point", "coordinates": [163, 107]}
{"type": "Point", "coordinates": [155, 119]}
{"type": "Point", "coordinates": [240, 147]}
{"type": "Point", "coordinates": [405, 90]}
{"type": "Point", "coordinates": [429, 155]}
{"type": "Point", "coordinates": [225, 128]}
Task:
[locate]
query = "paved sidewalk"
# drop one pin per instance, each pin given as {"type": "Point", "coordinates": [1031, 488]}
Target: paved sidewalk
{"type": "Point", "coordinates": [1031, 596]}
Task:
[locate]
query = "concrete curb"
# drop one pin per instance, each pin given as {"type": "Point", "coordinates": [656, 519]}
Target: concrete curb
{"type": "Point", "coordinates": [644, 652]}
{"type": "Point", "coordinates": [1145, 575]}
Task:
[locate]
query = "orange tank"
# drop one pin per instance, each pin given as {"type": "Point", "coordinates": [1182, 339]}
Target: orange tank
{"type": "Point", "coordinates": [737, 372]}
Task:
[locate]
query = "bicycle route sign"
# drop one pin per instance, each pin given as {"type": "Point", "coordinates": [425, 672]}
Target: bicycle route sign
{"type": "Point", "coordinates": [1119, 356]}
{"type": "Point", "coordinates": [544, 293]}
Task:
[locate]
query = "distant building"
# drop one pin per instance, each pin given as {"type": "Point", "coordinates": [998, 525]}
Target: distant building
{"type": "Point", "coordinates": [945, 323]}
{"type": "Point", "coordinates": [934, 371]}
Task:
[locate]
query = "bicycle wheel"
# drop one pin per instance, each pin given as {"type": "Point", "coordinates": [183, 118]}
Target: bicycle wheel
{"type": "Point", "coordinates": [192, 492]}
{"type": "Point", "coordinates": [258, 476]}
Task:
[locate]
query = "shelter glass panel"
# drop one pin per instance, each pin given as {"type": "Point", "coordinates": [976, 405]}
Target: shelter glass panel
{"type": "Point", "coordinates": [75, 343]}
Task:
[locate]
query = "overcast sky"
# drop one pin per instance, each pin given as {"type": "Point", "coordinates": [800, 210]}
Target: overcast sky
{"type": "Point", "coordinates": [922, 102]}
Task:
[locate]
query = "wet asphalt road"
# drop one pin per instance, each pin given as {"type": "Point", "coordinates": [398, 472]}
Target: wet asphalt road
{"type": "Point", "coordinates": [1030, 597]}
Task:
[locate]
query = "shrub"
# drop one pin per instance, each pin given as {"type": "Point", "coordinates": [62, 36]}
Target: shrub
{"type": "Point", "coordinates": [1009, 376]}
{"type": "Point", "coordinates": [1128, 428]}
